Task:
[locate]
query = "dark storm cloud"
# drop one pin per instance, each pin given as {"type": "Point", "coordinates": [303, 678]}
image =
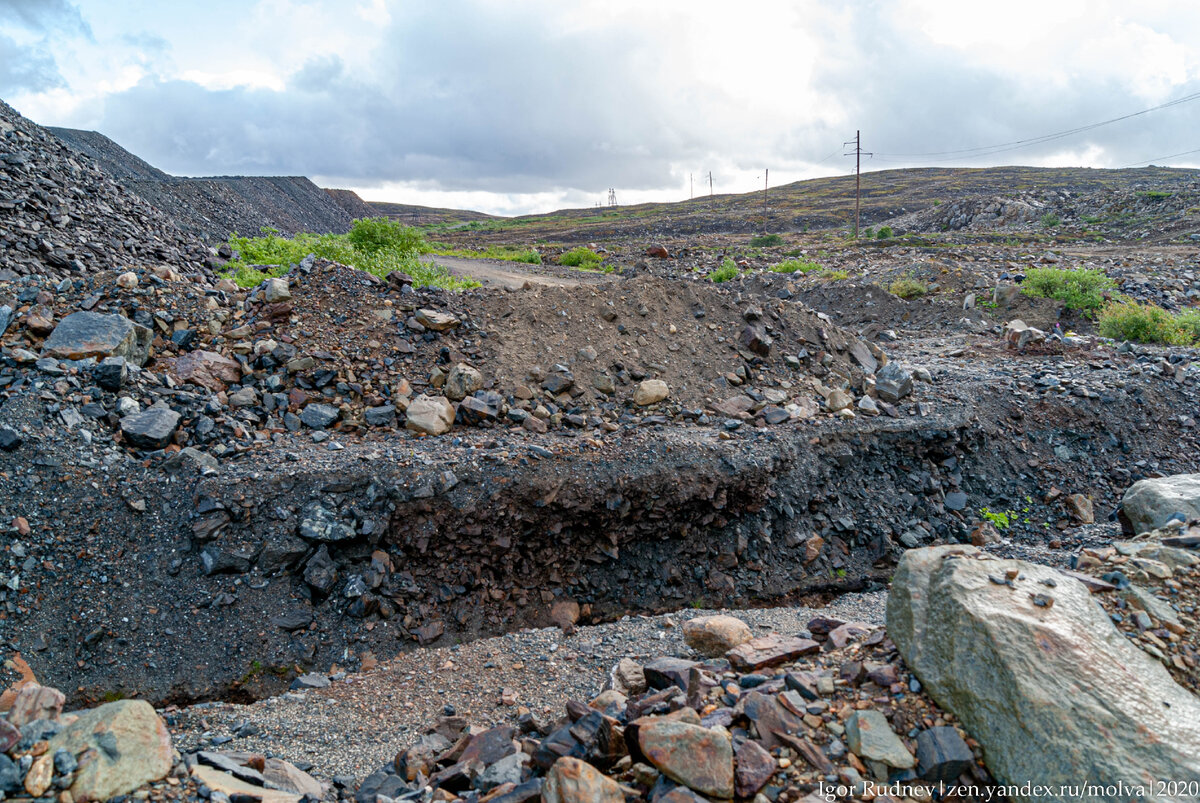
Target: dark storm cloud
{"type": "Point", "coordinates": [489, 99]}
{"type": "Point", "coordinates": [28, 65]}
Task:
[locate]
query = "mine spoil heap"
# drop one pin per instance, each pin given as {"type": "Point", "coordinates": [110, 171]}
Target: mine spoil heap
{"type": "Point", "coordinates": [62, 215]}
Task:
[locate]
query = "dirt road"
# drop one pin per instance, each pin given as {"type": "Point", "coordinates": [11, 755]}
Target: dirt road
{"type": "Point", "coordinates": [499, 273]}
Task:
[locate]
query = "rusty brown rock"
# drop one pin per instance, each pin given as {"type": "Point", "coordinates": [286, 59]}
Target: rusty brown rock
{"type": "Point", "coordinates": [573, 781]}
{"type": "Point", "coordinates": [208, 369]}
{"type": "Point", "coordinates": [36, 702]}
{"type": "Point", "coordinates": [699, 758]}
{"type": "Point", "coordinates": [769, 650]}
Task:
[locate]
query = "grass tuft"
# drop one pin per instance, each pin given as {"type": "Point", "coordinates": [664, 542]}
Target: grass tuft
{"type": "Point", "coordinates": [908, 288]}
{"type": "Point", "coordinates": [1078, 289]}
{"type": "Point", "coordinates": [765, 241]}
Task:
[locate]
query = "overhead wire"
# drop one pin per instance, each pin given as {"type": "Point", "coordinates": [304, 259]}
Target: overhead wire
{"type": "Point", "coordinates": [1002, 147]}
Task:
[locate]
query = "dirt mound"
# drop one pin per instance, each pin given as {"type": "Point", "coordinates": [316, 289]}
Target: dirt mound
{"type": "Point", "coordinates": [215, 207]}
{"type": "Point", "coordinates": [62, 214]}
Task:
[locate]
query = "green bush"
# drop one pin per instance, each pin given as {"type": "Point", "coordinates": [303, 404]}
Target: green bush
{"type": "Point", "coordinates": [765, 241]}
{"type": "Point", "coordinates": [884, 233]}
{"type": "Point", "coordinates": [794, 265]}
{"type": "Point", "coordinates": [728, 270]}
{"type": "Point", "coordinates": [373, 234]}
{"type": "Point", "coordinates": [1145, 323]}
{"type": "Point", "coordinates": [584, 258]}
{"type": "Point", "coordinates": [834, 275]}
{"type": "Point", "coordinates": [1050, 220]}
{"type": "Point", "coordinates": [1189, 322]}
{"type": "Point", "coordinates": [1078, 289]}
{"type": "Point", "coordinates": [908, 288]}
{"type": "Point", "coordinates": [385, 248]}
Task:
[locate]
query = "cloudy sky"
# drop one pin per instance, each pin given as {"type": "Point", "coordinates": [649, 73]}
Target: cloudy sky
{"type": "Point", "coordinates": [511, 106]}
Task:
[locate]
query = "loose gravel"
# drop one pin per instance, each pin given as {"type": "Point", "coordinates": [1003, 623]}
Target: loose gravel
{"type": "Point", "coordinates": [362, 720]}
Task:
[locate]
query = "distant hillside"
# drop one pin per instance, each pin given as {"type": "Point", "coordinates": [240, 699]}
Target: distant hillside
{"type": "Point", "coordinates": [215, 207]}
{"type": "Point", "coordinates": [824, 203]}
{"type": "Point", "coordinates": [427, 215]}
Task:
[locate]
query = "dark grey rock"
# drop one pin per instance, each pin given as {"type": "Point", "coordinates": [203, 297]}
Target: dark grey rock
{"type": "Point", "coordinates": [320, 416]}
{"type": "Point", "coordinates": [111, 373]}
{"type": "Point", "coordinates": [215, 560]}
{"type": "Point", "coordinates": [10, 439]}
{"type": "Point", "coordinates": [151, 428]}
{"type": "Point", "coordinates": [382, 416]}
{"type": "Point", "coordinates": [90, 334]}
{"type": "Point", "coordinates": [942, 755]}
{"type": "Point", "coordinates": [893, 383]}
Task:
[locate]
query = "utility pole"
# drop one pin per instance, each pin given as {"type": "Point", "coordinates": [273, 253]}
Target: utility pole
{"type": "Point", "coordinates": [691, 187]}
{"type": "Point", "coordinates": [766, 182]}
{"type": "Point", "coordinates": [612, 196]}
{"type": "Point", "coordinates": [711, 200]}
{"type": "Point", "coordinates": [858, 154]}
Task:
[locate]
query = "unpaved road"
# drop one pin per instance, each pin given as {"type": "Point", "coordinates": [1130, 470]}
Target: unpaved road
{"type": "Point", "coordinates": [514, 275]}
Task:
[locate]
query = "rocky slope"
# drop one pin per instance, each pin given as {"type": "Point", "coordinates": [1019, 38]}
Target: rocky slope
{"type": "Point", "coordinates": [62, 215]}
{"type": "Point", "coordinates": [212, 208]}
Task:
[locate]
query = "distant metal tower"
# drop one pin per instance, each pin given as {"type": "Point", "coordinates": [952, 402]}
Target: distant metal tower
{"type": "Point", "coordinates": [612, 196]}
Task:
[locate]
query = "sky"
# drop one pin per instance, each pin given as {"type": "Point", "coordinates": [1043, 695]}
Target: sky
{"type": "Point", "coordinates": [519, 106]}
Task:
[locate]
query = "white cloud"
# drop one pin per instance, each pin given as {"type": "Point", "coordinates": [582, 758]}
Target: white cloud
{"type": "Point", "coordinates": [512, 106]}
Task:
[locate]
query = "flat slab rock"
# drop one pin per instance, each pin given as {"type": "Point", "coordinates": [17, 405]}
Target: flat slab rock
{"type": "Point", "coordinates": [771, 650]}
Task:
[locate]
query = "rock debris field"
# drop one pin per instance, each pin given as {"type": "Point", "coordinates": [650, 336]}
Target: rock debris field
{"type": "Point", "coordinates": [795, 536]}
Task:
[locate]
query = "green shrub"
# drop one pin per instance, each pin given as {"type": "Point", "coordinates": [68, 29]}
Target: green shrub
{"type": "Point", "coordinates": [869, 233]}
{"type": "Point", "coordinates": [1000, 519]}
{"type": "Point", "coordinates": [1145, 323]}
{"type": "Point", "coordinates": [884, 233]}
{"type": "Point", "coordinates": [908, 288]}
{"type": "Point", "coordinates": [1078, 289]}
{"type": "Point", "coordinates": [1050, 220]}
{"type": "Point", "coordinates": [834, 275]}
{"type": "Point", "coordinates": [1189, 322]}
{"type": "Point", "coordinates": [765, 241]}
{"type": "Point", "coordinates": [373, 234]}
{"type": "Point", "coordinates": [584, 258]}
{"type": "Point", "coordinates": [384, 248]}
{"type": "Point", "coordinates": [728, 270]}
{"type": "Point", "coordinates": [794, 265]}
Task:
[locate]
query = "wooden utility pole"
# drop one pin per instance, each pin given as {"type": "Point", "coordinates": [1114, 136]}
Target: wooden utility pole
{"type": "Point", "coordinates": [691, 187]}
{"type": "Point", "coordinates": [711, 200]}
{"type": "Point", "coordinates": [858, 154]}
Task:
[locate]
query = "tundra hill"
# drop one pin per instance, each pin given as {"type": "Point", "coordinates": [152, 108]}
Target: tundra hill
{"type": "Point", "coordinates": [215, 207]}
{"type": "Point", "coordinates": [1119, 203]}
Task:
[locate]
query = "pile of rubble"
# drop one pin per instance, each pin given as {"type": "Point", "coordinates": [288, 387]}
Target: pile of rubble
{"type": "Point", "coordinates": [62, 215]}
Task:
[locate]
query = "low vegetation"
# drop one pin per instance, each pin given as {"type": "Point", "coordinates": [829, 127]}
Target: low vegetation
{"type": "Point", "coordinates": [908, 288]}
{"type": "Point", "coordinates": [1082, 290]}
{"type": "Point", "coordinates": [728, 270]}
{"type": "Point", "coordinates": [1147, 323]}
{"type": "Point", "coordinates": [509, 253]}
{"type": "Point", "coordinates": [796, 266]}
{"type": "Point", "coordinates": [884, 233]}
{"type": "Point", "coordinates": [375, 245]}
{"type": "Point", "coordinates": [582, 258]}
{"type": "Point", "coordinates": [1050, 220]}
{"type": "Point", "coordinates": [765, 241]}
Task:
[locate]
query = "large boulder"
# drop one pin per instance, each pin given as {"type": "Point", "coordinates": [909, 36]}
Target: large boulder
{"type": "Point", "coordinates": [81, 335]}
{"type": "Point", "coordinates": [715, 635]}
{"type": "Point", "coordinates": [1038, 673]}
{"type": "Point", "coordinates": [152, 428]}
{"type": "Point", "coordinates": [120, 746]}
{"type": "Point", "coordinates": [1148, 504]}
{"type": "Point", "coordinates": [208, 369]}
{"type": "Point", "coordinates": [431, 415]}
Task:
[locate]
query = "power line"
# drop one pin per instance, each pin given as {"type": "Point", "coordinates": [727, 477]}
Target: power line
{"type": "Point", "coordinates": [858, 155]}
{"type": "Point", "coordinates": [1156, 158]}
{"type": "Point", "coordinates": [985, 150]}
